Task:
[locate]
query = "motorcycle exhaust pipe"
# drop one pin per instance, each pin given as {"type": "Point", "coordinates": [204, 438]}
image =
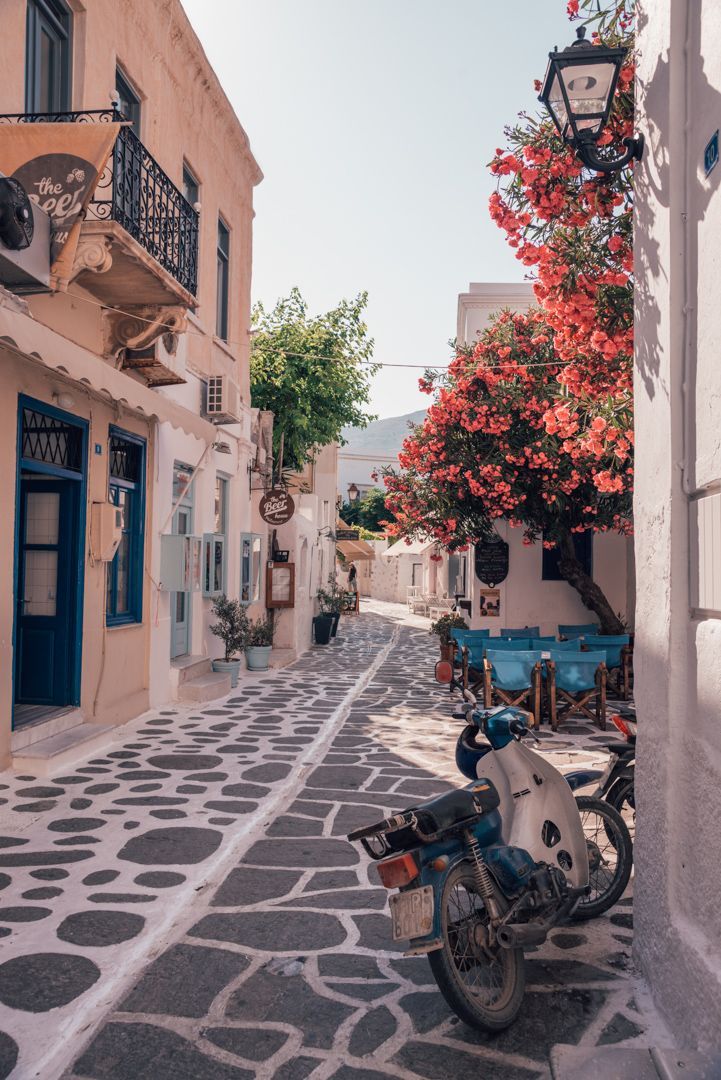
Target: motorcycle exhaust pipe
{"type": "Point", "coordinates": [518, 937]}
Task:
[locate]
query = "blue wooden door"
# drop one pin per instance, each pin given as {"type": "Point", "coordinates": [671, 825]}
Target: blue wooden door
{"type": "Point", "coordinates": [46, 630]}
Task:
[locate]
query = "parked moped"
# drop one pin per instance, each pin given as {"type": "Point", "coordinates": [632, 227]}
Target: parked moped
{"type": "Point", "coordinates": [615, 783]}
{"type": "Point", "coordinates": [489, 869]}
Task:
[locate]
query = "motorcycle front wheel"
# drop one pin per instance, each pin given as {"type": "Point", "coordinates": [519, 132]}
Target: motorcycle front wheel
{"type": "Point", "coordinates": [622, 797]}
{"type": "Point", "coordinates": [483, 984]}
{"type": "Point", "coordinates": [610, 855]}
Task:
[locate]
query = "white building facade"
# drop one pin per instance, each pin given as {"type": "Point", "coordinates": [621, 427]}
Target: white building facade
{"type": "Point", "coordinates": [678, 514]}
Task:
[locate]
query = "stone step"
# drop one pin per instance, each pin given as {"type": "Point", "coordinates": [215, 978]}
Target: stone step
{"type": "Point", "coordinates": [59, 752]}
{"type": "Point", "coordinates": [207, 687]}
{"type": "Point", "coordinates": [190, 667]}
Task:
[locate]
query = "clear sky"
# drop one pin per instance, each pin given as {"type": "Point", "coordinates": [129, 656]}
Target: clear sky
{"type": "Point", "coordinates": [373, 122]}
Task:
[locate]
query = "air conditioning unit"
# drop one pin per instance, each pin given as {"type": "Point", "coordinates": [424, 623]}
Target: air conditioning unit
{"type": "Point", "coordinates": [222, 400]}
{"type": "Point", "coordinates": [156, 363]}
{"type": "Point", "coordinates": [106, 530]}
{"type": "Point", "coordinates": [24, 240]}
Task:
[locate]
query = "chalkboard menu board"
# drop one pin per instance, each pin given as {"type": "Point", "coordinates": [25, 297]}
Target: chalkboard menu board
{"type": "Point", "coordinates": [492, 562]}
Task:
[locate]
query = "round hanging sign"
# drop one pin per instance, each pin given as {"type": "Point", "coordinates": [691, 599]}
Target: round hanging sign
{"type": "Point", "coordinates": [277, 507]}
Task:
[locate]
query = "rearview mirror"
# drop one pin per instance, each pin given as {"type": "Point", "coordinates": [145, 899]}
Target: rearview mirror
{"type": "Point", "coordinates": [444, 672]}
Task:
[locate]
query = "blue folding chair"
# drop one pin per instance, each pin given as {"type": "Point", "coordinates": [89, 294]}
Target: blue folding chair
{"type": "Point", "coordinates": [569, 645]}
{"type": "Point", "coordinates": [569, 631]}
{"type": "Point", "coordinates": [462, 636]}
{"type": "Point", "coordinates": [514, 678]}
{"type": "Point", "coordinates": [524, 632]}
{"type": "Point", "coordinates": [576, 683]}
{"type": "Point", "coordinates": [618, 660]}
{"type": "Point", "coordinates": [510, 644]}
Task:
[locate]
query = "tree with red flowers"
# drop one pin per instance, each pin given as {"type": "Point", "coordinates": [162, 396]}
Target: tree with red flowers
{"type": "Point", "coordinates": [485, 453]}
{"type": "Point", "coordinates": [573, 228]}
{"type": "Point", "coordinates": [535, 424]}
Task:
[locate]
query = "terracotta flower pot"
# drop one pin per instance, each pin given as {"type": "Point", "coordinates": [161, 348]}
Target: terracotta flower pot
{"type": "Point", "coordinates": [447, 651]}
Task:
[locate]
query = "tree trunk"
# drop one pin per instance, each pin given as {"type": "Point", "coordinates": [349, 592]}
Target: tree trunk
{"type": "Point", "coordinates": [591, 594]}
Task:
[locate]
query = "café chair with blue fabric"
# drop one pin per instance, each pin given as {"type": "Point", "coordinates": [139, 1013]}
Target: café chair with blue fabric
{"type": "Point", "coordinates": [576, 685]}
{"type": "Point", "coordinates": [462, 636]}
{"type": "Point", "coordinates": [472, 654]}
{"type": "Point", "coordinates": [618, 660]}
{"type": "Point", "coordinates": [523, 632]}
{"type": "Point", "coordinates": [513, 678]}
{"type": "Point", "coordinates": [570, 631]}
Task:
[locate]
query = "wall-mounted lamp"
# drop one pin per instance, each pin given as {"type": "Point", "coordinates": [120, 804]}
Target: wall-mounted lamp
{"type": "Point", "coordinates": [64, 400]}
{"type": "Point", "coordinates": [578, 92]}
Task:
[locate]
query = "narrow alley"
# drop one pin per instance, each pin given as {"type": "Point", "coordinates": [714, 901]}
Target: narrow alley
{"type": "Point", "coordinates": [206, 852]}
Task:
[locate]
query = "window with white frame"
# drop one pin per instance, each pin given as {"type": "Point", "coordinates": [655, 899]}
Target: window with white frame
{"type": "Point", "coordinates": [251, 545]}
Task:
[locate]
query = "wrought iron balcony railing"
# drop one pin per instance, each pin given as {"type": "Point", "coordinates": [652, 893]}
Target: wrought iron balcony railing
{"type": "Point", "coordinates": [135, 192]}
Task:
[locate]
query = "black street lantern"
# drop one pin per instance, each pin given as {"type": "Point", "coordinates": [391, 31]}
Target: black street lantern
{"type": "Point", "coordinates": [578, 93]}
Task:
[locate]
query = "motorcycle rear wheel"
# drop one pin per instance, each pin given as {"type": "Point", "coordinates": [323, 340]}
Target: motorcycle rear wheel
{"type": "Point", "coordinates": [610, 853]}
{"type": "Point", "coordinates": [484, 986]}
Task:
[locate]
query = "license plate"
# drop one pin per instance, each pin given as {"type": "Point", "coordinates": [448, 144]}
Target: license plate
{"type": "Point", "coordinates": [412, 913]}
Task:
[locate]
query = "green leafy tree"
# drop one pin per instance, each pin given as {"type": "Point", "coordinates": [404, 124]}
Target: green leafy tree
{"type": "Point", "coordinates": [369, 512]}
{"type": "Point", "coordinates": [312, 372]}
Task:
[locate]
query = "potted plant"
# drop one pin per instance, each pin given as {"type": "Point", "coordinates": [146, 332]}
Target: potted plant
{"type": "Point", "coordinates": [258, 643]}
{"type": "Point", "coordinates": [324, 622]}
{"type": "Point", "coordinates": [231, 628]}
{"type": "Point", "coordinates": [331, 602]}
{"type": "Point", "coordinates": [444, 628]}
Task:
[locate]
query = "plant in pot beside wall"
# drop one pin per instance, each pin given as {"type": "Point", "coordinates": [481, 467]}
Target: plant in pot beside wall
{"type": "Point", "coordinates": [231, 628]}
{"type": "Point", "coordinates": [444, 628]}
{"type": "Point", "coordinates": [258, 644]}
{"type": "Point", "coordinates": [331, 602]}
{"type": "Point", "coordinates": [327, 619]}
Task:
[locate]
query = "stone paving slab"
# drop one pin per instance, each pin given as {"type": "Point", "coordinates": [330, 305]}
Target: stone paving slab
{"type": "Point", "coordinates": [251, 938]}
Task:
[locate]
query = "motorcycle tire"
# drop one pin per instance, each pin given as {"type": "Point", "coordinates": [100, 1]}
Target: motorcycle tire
{"type": "Point", "coordinates": [461, 966]}
{"type": "Point", "coordinates": [622, 798]}
{"type": "Point", "coordinates": [608, 844]}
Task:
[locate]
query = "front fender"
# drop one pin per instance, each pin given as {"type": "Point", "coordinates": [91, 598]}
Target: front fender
{"type": "Point", "coordinates": [580, 778]}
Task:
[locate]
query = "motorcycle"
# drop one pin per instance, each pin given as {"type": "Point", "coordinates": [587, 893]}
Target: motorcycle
{"type": "Point", "coordinates": [615, 783]}
{"type": "Point", "coordinates": [490, 869]}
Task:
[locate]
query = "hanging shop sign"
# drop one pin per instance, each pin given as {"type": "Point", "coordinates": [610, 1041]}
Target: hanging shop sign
{"type": "Point", "coordinates": [59, 166]}
{"type": "Point", "coordinates": [277, 507]}
{"type": "Point", "coordinates": [347, 534]}
{"type": "Point", "coordinates": [492, 562]}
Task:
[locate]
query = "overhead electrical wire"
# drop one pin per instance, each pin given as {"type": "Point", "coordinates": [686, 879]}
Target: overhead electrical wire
{"type": "Point", "coordinates": [311, 356]}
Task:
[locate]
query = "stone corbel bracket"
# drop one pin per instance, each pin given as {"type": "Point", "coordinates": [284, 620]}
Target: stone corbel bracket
{"type": "Point", "coordinates": [93, 254]}
{"type": "Point", "coordinates": [140, 327]}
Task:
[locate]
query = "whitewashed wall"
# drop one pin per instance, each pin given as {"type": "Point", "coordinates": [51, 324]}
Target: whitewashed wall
{"type": "Point", "coordinates": [678, 426]}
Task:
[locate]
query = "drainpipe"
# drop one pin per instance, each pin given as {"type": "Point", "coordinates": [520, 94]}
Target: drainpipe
{"type": "Point", "coordinates": [688, 307]}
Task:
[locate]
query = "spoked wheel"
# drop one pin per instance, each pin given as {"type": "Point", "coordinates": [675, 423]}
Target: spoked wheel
{"type": "Point", "coordinates": [622, 798]}
{"type": "Point", "coordinates": [610, 855]}
{"type": "Point", "coordinates": [482, 983]}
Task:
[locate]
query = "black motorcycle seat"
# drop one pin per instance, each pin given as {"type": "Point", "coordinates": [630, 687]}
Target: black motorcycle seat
{"type": "Point", "coordinates": [622, 748]}
{"type": "Point", "coordinates": [444, 811]}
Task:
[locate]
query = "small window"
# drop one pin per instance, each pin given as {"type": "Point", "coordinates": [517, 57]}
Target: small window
{"type": "Point", "coordinates": [129, 103]}
{"type": "Point", "coordinates": [583, 543]}
{"type": "Point", "coordinates": [250, 567]}
{"type": "Point", "coordinates": [221, 504]}
{"type": "Point", "coordinates": [221, 317]}
{"type": "Point", "coordinates": [191, 187]}
{"type": "Point", "coordinates": [457, 565]}
{"type": "Point", "coordinates": [47, 56]}
{"type": "Point", "coordinates": [127, 491]}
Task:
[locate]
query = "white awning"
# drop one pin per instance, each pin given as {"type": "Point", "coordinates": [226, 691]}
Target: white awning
{"type": "Point", "coordinates": [416, 547]}
{"type": "Point", "coordinates": [355, 549]}
{"type": "Point", "coordinates": [36, 342]}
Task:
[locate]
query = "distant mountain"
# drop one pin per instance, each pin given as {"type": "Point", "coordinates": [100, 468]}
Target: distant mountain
{"type": "Point", "coordinates": [382, 436]}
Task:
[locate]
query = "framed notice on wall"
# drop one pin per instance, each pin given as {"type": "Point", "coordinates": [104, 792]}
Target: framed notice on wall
{"type": "Point", "coordinates": [280, 585]}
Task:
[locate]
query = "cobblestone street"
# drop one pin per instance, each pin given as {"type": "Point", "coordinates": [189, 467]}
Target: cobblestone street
{"type": "Point", "coordinates": [186, 906]}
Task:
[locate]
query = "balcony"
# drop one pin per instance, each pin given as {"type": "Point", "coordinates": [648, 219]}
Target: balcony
{"type": "Point", "coordinates": [138, 248]}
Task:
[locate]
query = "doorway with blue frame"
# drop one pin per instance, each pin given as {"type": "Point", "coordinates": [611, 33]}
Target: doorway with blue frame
{"type": "Point", "coordinates": [49, 560]}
